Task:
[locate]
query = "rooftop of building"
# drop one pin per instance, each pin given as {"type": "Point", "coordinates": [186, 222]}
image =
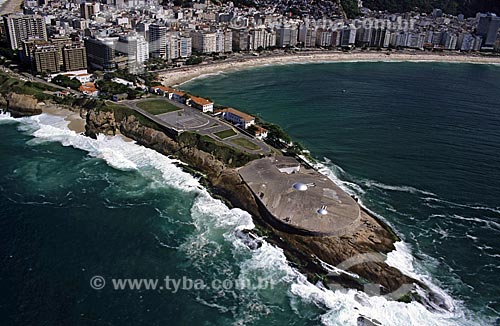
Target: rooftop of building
{"type": "Point", "coordinates": [242, 115]}
{"type": "Point", "coordinates": [200, 100]}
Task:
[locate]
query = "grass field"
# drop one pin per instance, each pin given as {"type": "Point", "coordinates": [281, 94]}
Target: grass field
{"type": "Point", "coordinates": [225, 133]}
{"type": "Point", "coordinates": [157, 106]}
{"type": "Point", "coordinates": [245, 143]}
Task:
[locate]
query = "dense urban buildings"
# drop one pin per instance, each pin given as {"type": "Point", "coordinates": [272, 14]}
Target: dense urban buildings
{"type": "Point", "coordinates": [110, 35]}
{"type": "Point", "coordinates": [24, 27]}
{"type": "Point", "coordinates": [488, 29]}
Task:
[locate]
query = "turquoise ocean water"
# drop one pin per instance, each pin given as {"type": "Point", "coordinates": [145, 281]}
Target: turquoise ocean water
{"type": "Point", "coordinates": [418, 143]}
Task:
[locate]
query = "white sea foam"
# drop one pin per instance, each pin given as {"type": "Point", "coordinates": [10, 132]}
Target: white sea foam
{"type": "Point", "coordinates": [210, 215]}
{"type": "Point", "coordinates": [409, 189]}
{"type": "Point", "coordinates": [489, 224]}
{"type": "Point", "coordinates": [203, 76]}
{"type": "Point", "coordinates": [5, 117]}
{"type": "Point", "coordinates": [480, 207]}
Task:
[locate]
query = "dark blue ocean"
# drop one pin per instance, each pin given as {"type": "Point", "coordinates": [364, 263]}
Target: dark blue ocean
{"type": "Point", "coordinates": [418, 143]}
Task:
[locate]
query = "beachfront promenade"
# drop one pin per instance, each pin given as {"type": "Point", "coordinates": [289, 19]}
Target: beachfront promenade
{"type": "Point", "coordinates": [192, 120]}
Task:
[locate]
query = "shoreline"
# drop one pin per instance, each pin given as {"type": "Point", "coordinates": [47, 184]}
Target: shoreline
{"type": "Point", "coordinates": [179, 76]}
{"type": "Point", "coordinates": [75, 122]}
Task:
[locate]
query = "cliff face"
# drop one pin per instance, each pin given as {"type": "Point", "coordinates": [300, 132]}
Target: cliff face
{"type": "Point", "coordinates": [20, 105]}
{"type": "Point", "coordinates": [225, 181]}
{"type": "Point", "coordinates": [98, 122]}
{"type": "Point", "coordinates": [306, 252]}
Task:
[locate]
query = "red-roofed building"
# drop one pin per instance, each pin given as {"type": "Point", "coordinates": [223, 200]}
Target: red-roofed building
{"type": "Point", "coordinates": [238, 118]}
{"type": "Point", "coordinates": [169, 92]}
{"type": "Point", "coordinates": [89, 89]}
{"type": "Point", "coordinates": [160, 90]}
{"type": "Point", "coordinates": [202, 104]}
{"type": "Point", "coordinates": [260, 133]}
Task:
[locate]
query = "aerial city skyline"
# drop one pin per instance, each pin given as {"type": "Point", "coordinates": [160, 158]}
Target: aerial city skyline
{"type": "Point", "coordinates": [249, 162]}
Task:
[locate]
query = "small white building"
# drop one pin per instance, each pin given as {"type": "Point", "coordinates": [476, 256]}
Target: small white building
{"type": "Point", "coordinates": [260, 133]}
{"type": "Point", "coordinates": [202, 104]}
{"type": "Point", "coordinates": [82, 75]}
{"type": "Point", "coordinates": [177, 96]}
{"type": "Point", "coordinates": [122, 82]}
{"type": "Point", "coordinates": [238, 118]}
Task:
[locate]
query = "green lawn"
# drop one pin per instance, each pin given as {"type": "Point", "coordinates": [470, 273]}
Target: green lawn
{"type": "Point", "coordinates": [225, 133]}
{"type": "Point", "coordinates": [245, 143]}
{"type": "Point", "coordinates": [157, 106]}
{"type": "Point", "coordinates": [9, 84]}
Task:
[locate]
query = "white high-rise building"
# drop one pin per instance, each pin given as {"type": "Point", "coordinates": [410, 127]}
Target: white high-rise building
{"type": "Point", "coordinates": [179, 46]}
{"type": "Point", "coordinates": [185, 46]}
{"type": "Point", "coordinates": [220, 38]}
{"type": "Point", "coordinates": [142, 49]}
{"type": "Point", "coordinates": [323, 37]}
{"type": "Point", "coordinates": [286, 36]}
{"type": "Point", "coordinates": [204, 42]}
{"type": "Point", "coordinates": [307, 36]}
{"type": "Point", "coordinates": [228, 41]}
{"type": "Point", "coordinates": [270, 38]}
{"type": "Point", "coordinates": [348, 36]}
{"type": "Point", "coordinates": [465, 42]}
{"type": "Point", "coordinates": [257, 39]}
{"type": "Point", "coordinates": [127, 46]}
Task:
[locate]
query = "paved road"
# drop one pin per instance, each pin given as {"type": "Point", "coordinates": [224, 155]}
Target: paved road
{"type": "Point", "coordinates": [191, 119]}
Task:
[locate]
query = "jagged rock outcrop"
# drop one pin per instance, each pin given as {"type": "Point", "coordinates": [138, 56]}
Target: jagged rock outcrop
{"type": "Point", "coordinates": [21, 105]}
{"type": "Point", "coordinates": [225, 181]}
{"type": "Point", "coordinates": [3, 102]}
{"type": "Point", "coordinates": [100, 122]}
{"type": "Point", "coordinates": [308, 253]}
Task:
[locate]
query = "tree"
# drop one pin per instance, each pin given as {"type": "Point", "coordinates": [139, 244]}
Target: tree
{"type": "Point", "coordinates": [194, 60]}
{"type": "Point", "coordinates": [65, 81]}
{"type": "Point", "coordinates": [252, 129]}
{"type": "Point", "coordinates": [351, 8]}
{"type": "Point", "coordinates": [109, 88]}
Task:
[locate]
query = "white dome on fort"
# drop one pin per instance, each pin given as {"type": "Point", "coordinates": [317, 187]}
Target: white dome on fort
{"type": "Point", "coordinates": [322, 211]}
{"type": "Point", "coordinates": [300, 186]}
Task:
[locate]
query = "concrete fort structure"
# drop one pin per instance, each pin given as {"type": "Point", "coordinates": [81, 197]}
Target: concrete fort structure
{"type": "Point", "coordinates": [298, 199]}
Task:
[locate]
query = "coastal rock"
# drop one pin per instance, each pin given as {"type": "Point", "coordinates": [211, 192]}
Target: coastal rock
{"type": "Point", "coordinates": [3, 102]}
{"type": "Point", "coordinates": [100, 122]}
{"type": "Point", "coordinates": [21, 105]}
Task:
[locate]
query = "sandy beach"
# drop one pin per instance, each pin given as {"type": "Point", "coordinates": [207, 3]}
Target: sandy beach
{"type": "Point", "coordinates": [179, 76]}
{"type": "Point", "coordinates": [10, 6]}
{"type": "Point", "coordinates": [75, 122]}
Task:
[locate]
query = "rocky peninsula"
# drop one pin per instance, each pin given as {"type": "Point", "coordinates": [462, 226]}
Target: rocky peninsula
{"type": "Point", "coordinates": [354, 258]}
{"type": "Point", "coordinates": [361, 250]}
